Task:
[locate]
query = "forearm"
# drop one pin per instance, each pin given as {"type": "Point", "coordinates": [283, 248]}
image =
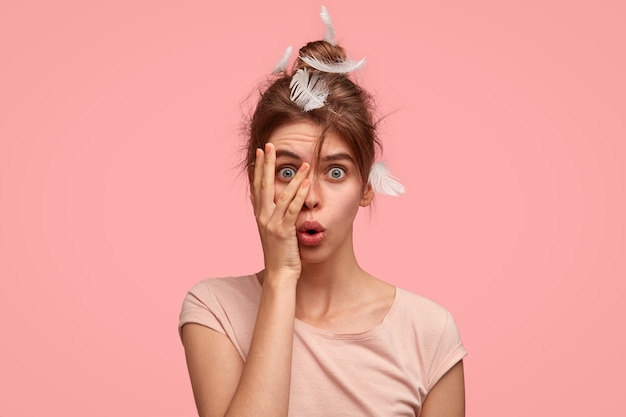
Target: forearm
{"type": "Point", "coordinates": [263, 389]}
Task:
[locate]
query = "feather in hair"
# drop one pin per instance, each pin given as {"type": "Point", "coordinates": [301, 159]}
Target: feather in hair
{"type": "Point", "coordinates": [282, 64]}
{"type": "Point", "coordinates": [308, 92]}
{"type": "Point", "coordinates": [340, 67]}
{"type": "Point", "coordinates": [383, 182]}
{"type": "Point", "coordinates": [329, 36]}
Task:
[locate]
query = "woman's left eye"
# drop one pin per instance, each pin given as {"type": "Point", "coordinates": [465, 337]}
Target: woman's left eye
{"type": "Point", "coordinates": [336, 173]}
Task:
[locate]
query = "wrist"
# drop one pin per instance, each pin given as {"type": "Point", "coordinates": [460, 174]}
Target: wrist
{"type": "Point", "coordinates": [278, 278]}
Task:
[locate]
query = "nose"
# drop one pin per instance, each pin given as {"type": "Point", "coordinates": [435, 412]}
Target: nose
{"type": "Point", "coordinates": [312, 199]}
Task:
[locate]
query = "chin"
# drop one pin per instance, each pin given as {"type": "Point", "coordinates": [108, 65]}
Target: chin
{"type": "Point", "coordinates": [312, 255]}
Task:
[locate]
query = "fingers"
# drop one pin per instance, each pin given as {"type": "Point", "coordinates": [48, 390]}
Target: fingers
{"type": "Point", "coordinates": [256, 182]}
{"type": "Point", "coordinates": [292, 197]}
{"type": "Point", "coordinates": [263, 182]}
{"type": "Point", "coordinates": [297, 203]}
{"type": "Point", "coordinates": [267, 178]}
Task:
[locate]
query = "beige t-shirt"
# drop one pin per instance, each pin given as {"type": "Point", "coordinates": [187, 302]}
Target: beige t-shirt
{"type": "Point", "coordinates": [385, 371]}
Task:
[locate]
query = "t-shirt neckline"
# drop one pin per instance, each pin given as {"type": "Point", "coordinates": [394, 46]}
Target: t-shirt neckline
{"type": "Point", "coordinates": [300, 325]}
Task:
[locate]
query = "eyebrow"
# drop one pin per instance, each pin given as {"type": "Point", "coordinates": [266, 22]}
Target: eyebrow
{"type": "Point", "coordinates": [341, 156]}
{"type": "Point", "coordinates": [284, 152]}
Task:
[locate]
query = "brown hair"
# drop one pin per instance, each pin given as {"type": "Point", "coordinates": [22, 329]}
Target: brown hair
{"type": "Point", "coordinates": [348, 111]}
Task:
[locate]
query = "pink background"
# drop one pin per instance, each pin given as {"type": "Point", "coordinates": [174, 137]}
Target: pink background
{"type": "Point", "coordinates": [118, 140]}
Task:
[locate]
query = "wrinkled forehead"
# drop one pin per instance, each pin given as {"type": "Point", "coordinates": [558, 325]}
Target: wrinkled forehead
{"type": "Point", "coordinates": [309, 141]}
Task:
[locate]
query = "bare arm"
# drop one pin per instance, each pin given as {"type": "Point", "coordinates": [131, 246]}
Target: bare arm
{"type": "Point", "coordinates": [214, 368]}
{"type": "Point", "coordinates": [447, 397]}
{"type": "Point", "coordinates": [223, 384]}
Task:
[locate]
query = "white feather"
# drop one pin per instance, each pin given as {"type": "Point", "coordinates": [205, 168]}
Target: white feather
{"type": "Point", "coordinates": [340, 67]}
{"type": "Point", "coordinates": [308, 92]}
{"type": "Point", "coordinates": [329, 36]}
{"type": "Point", "coordinates": [282, 64]}
{"type": "Point", "coordinates": [383, 182]}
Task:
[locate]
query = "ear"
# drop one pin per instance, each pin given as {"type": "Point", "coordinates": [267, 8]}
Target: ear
{"type": "Point", "coordinates": [368, 196]}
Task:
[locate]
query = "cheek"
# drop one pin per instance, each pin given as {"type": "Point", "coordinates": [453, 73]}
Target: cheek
{"type": "Point", "coordinates": [347, 201]}
{"type": "Point", "coordinates": [279, 187]}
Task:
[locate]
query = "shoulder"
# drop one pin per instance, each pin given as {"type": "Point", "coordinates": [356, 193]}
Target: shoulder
{"type": "Point", "coordinates": [436, 337]}
{"type": "Point", "coordinates": [428, 320]}
{"type": "Point", "coordinates": [421, 308]}
{"type": "Point", "coordinates": [223, 304]}
{"type": "Point", "coordinates": [245, 285]}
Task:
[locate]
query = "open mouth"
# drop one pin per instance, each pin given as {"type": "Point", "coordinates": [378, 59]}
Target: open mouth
{"type": "Point", "coordinates": [311, 233]}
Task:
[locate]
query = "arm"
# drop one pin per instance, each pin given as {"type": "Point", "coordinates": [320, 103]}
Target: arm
{"type": "Point", "coordinates": [223, 384]}
{"type": "Point", "coordinates": [214, 368]}
{"type": "Point", "coordinates": [447, 397]}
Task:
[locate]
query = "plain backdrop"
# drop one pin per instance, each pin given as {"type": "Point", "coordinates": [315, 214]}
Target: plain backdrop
{"type": "Point", "coordinates": [119, 188]}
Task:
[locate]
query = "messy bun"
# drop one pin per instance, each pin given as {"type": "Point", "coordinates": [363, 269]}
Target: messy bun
{"type": "Point", "coordinates": [347, 111]}
{"type": "Point", "coordinates": [321, 50]}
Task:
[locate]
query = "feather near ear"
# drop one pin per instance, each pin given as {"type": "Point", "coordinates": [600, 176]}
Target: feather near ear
{"type": "Point", "coordinates": [340, 67]}
{"type": "Point", "coordinates": [329, 36]}
{"type": "Point", "coordinates": [281, 65]}
{"type": "Point", "coordinates": [383, 182]}
{"type": "Point", "coordinates": [308, 92]}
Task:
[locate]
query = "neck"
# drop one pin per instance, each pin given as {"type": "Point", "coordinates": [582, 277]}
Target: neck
{"type": "Point", "coordinates": [330, 285]}
{"type": "Point", "coordinates": [330, 275]}
{"type": "Point", "coordinates": [331, 270]}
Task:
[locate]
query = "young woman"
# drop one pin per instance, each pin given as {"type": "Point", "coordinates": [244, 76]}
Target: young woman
{"type": "Point", "coordinates": [313, 334]}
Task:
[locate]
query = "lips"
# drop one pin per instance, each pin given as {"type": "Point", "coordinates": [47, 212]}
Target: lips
{"type": "Point", "coordinates": [310, 233]}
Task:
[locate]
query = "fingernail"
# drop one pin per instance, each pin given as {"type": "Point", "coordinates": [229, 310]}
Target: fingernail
{"type": "Point", "coordinates": [258, 152]}
{"type": "Point", "coordinates": [305, 182]}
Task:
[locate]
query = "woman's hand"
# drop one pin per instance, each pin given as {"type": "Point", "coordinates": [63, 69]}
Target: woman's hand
{"type": "Point", "coordinates": [223, 384]}
{"type": "Point", "coordinates": [276, 220]}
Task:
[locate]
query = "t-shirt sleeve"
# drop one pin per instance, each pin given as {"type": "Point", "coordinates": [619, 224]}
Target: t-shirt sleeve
{"type": "Point", "coordinates": [449, 352]}
{"type": "Point", "coordinates": [199, 306]}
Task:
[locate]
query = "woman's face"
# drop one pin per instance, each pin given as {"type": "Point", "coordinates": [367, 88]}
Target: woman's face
{"type": "Point", "coordinates": [324, 226]}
